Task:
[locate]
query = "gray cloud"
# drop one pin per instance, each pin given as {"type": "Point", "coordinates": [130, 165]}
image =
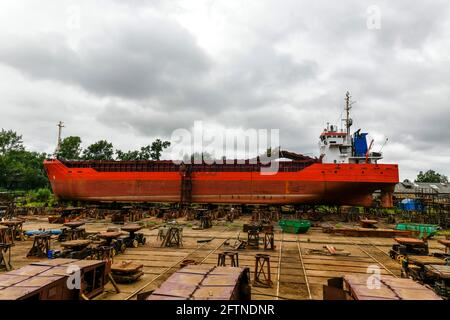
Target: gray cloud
{"type": "Point", "coordinates": [145, 68]}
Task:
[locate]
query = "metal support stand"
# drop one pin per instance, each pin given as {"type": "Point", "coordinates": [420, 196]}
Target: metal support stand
{"type": "Point", "coordinates": [5, 256]}
{"type": "Point", "coordinates": [234, 259]}
{"type": "Point", "coordinates": [40, 247]}
{"type": "Point", "coordinates": [173, 238]}
{"type": "Point", "coordinates": [253, 238]}
{"type": "Point", "coordinates": [269, 241]}
{"type": "Point", "coordinates": [262, 271]}
{"type": "Point", "coordinates": [205, 222]}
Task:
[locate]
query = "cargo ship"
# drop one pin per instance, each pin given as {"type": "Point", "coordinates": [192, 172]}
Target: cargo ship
{"type": "Point", "coordinates": [345, 173]}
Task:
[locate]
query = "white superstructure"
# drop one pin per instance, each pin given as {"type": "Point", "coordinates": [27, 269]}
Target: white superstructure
{"type": "Point", "coordinates": [339, 146]}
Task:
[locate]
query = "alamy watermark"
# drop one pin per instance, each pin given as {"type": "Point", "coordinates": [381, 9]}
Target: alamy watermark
{"type": "Point", "coordinates": [74, 279]}
{"type": "Point", "coordinates": [373, 21]}
{"type": "Point", "coordinates": [205, 146]}
{"type": "Point", "coordinates": [374, 280]}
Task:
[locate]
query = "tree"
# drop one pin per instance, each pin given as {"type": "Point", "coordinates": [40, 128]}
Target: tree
{"type": "Point", "coordinates": [431, 176]}
{"type": "Point", "coordinates": [154, 151]}
{"type": "Point", "coordinates": [157, 147]}
{"type": "Point", "coordinates": [20, 169]}
{"type": "Point", "coordinates": [100, 150]}
{"type": "Point", "coordinates": [70, 148]}
{"type": "Point", "coordinates": [128, 156]}
{"type": "Point", "coordinates": [10, 141]}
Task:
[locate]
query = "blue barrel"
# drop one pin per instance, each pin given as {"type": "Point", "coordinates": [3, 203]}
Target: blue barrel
{"type": "Point", "coordinates": [50, 254]}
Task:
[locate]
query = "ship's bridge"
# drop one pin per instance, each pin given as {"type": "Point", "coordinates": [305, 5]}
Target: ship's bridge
{"type": "Point", "coordinates": [337, 146]}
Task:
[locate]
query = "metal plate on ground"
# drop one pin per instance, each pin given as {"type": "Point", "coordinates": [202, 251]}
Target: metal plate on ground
{"type": "Point", "coordinates": [131, 228]}
{"type": "Point", "coordinates": [439, 270]}
{"type": "Point", "coordinates": [363, 292]}
{"type": "Point", "coordinates": [30, 270]}
{"type": "Point", "coordinates": [226, 270]}
{"type": "Point", "coordinates": [76, 243]}
{"type": "Point", "coordinates": [424, 260]}
{"type": "Point", "coordinates": [186, 278]}
{"type": "Point", "coordinates": [85, 263]}
{"type": "Point", "coordinates": [213, 293]}
{"type": "Point", "coordinates": [55, 271]}
{"type": "Point", "coordinates": [39, 281]}
{"type": "Point", "coordinates": [388, 288]}
{"type": "Point", "coordinates": [178, 290]}
{"type": "Point", "coordinates": [221, 280]}
{"type": "Point", "coordinates": [410, 241]}
{"type": "Point", "coordinates": [15, 293]}
{"type": "Point", "coordinates": [194, 268]}
{"type": "Point", "coordinates": [54, 262]}
{"type": "Point", "coordinates": [7, 280]}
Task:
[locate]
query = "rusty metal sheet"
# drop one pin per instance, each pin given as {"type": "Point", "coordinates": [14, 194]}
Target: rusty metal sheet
{"type": "Point", "coordinates": [221, 280]}
{"type": "Point", "coordinates": [439, 270]}
{"type": "Point", "coordinates": [15, 293]}
{"type": "Point", "coordinates": [110, 234]}
{"type": "Point", "coordinates": [7, 279]}
{"type": "Point", "coordinates": [424, 260]}
{"type": "Point", "coordinates": [53, 262]}
{"type": "Point", "coordinates": [227, 270]}
{"type": "Point", "coordinates": [11, 223]}
{"type": "Point", "coordinates": [213, 293]}
{"type": "Point", "coordinates": [55, 271]}
{"type": "Point", "coordinates": [30, 270]}
{"type": "Point", "coordinates": [391, 288]}
{"type": "Point", "coordinates": [186, 278]}
{"type": "Point", "coordinates": [196, 268]}
{"type": "Point", "coordinates": [85, 263]}
{"type": "Point", "coordinates": [363, 292]}
{"type": "Point", "coordinates": [411, 241]}
{"type": "Point", "coordinates": [39, 281]}
{"type": "Point", "coordinates": [131, 228]}
{"type": "Point", "coordinates": [179, 290]}
{"type": "Point", "coordinates": [158, 297]}
{"type": "Point", "coordinates": [400, 283]}
{"type": "Point", "coordinates": [74, 224]}
{"type": "Point", "coordinates": [413, 294]}
{"type": "Point", "coordinates": [368, 232]}
{"type": "Point", "coordinates": [76, 243]}
{"type": "Point", "coordinates": [126, 267]}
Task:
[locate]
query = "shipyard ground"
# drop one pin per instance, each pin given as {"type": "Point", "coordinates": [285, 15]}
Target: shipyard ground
{"type": "Point", "coordinates": [295, 273]}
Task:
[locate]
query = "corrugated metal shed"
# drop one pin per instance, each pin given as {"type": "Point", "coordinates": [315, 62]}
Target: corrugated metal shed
{"type": "Point", "coordinates": [418, 187]}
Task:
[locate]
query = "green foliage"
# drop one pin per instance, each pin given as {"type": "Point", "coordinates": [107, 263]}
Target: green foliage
{"type": "Point", "coordinates": [157, 147]}
{"type": "Point", "coordinates": [128, 156]}
{"type": "Point", "coordinates": [101, 150]}
{"type": "Point", "coordinates": [19, 168]}
{"type": "Point", "coordinates": [10, 141]}
{"type": "Point", "coordinates": [42, 197]}
{"type": "Point", "coordinates": [146, 153]}
{"type": "Point", "coordinates": [70, 148]}
{"type": "Point", "coordinates": [431, 176]}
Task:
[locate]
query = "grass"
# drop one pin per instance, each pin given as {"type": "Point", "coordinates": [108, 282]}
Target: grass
{"type": "Point", "coordinates": [444, 232]}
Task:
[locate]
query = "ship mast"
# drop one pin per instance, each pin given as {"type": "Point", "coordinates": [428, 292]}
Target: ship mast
{"type": "Point", "coordinates": [58, 146]}
{"type": "Point", "coordinates": [348, 106]}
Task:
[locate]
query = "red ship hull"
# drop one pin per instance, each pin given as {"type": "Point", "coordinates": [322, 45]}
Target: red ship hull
{"type": "Point", "coordinates": [317, 183]}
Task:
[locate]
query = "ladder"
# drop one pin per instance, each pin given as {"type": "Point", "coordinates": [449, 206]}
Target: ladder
{"type": "Point", "coordinates": [186, 185]}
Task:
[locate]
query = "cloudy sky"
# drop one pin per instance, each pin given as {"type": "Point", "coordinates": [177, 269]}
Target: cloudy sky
{"type": "Point", "coordinates": [131, 71]}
